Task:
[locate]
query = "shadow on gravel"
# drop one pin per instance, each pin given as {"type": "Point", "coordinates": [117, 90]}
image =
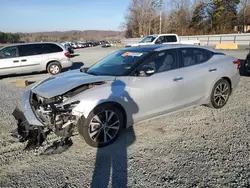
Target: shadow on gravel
{"type": "Point", "coordinates": [111, 161]}
{"type": "Point", "coordinates": [76, 65]}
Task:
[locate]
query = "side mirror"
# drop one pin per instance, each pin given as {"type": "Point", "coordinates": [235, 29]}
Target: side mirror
{"type": "Point", "coordinates": [83, 69]}
{"type": "Point", "coordinates": [145, 71]}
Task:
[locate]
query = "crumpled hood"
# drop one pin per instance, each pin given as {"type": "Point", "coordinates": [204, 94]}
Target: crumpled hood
{"type": "Point", "coordinates": [60, 84]}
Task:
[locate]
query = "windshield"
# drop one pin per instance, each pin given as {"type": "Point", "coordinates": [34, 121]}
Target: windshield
{"type": "Point", "coordinates": [117, 63]}
{"type": "Point", "coordinates": [148, 39]}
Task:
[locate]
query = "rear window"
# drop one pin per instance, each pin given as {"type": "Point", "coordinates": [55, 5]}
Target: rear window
{"type": "Point", "coordinates": [28, 50]}
{"type": "Point", "coordinates": [171, 38]}
{"type": "Point", "coordinates": [51, 48]}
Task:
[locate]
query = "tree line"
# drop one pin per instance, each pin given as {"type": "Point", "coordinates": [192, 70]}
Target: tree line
{"type": "Point", "coordinates": [186, 17]}
{"type": "Point", "coordinates": [9, 37]}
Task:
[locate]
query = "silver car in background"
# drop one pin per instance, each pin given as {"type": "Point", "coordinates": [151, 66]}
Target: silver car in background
{"type": "Point", "coordinates": [33, 57]}
{"type": "Point", "coordinates": [128, 86]}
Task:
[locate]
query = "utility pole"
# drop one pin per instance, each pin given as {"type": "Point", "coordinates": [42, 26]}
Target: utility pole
{"type": "Point", "coordinates": [161, 9]}
{"type": "Point", "coordinates": [160, 20]}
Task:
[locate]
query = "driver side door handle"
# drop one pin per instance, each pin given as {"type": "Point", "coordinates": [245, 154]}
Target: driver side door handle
{"type": "Point", "coordinates": [178, 79]}
{"type": "Point", "coordinates": [212, 70]}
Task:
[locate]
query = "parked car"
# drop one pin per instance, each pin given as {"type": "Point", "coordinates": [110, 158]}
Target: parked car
{"type": "Point", "coordinates": [74, 45]}
{"type": "Point", "coordinates": [106, 44]}
{"type": "Point", "coordinates": [68, 47]}
{"type": "Point", "coordinates": [163, 39]}
{"type": "Point", "coordinates": [128, 86]}
{"type": "Point", "coordinates": [247, 63]}
{"type": "Point", "coordinates": [34, 57]}
{"type": "Point", "coordinates": [79, 45]}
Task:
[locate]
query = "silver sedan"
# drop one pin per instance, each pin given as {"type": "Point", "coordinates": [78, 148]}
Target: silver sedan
{"type": "Point", "coordinates": [127, 86]}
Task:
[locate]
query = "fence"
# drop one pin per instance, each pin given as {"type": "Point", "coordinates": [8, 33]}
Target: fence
{"type": "Point", "coordinates": [209, 40]}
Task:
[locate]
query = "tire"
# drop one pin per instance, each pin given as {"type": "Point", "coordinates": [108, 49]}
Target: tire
{"type": "Point", "coordinates": [218, 98]}
{"type": "Point", "coordinates": [54, 68]}
{"type": "Point", "coordinates": [93, 132]}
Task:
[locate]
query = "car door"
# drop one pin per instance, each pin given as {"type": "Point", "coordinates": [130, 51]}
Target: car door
{"type": "Point", "coordinates": [161, 92]}
{"type": "Point", "coordinates": [30, 57]}
{"type": "Point", "coordinates": [196, 72]}
{"type": "Point", "coordinates": [9, 61]}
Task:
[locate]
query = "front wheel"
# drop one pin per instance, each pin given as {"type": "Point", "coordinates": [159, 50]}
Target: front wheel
{"type": "Point", "coordinates": [220, 94]}
{"type": "Point", "coordinates": [102, 127]}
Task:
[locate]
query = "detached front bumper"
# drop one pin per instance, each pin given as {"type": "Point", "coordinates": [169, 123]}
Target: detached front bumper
{"type": "Point", "coordinates": [27, 110]}
{"type": "Point", "coordinates": [29, 128]}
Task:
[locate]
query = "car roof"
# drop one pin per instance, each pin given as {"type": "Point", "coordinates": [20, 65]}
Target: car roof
{"type": "Point", "coordinates": [158, 35]}
{"type": "Point", "coordinates": [161, 47]}
{"type": "Point", "coordinates": [143, 48]}
{"type": "Point", "coordinates": [29, 43]}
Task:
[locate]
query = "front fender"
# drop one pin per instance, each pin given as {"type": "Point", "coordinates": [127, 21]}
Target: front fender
{"type": "Point", "coordinates": [93, 97]}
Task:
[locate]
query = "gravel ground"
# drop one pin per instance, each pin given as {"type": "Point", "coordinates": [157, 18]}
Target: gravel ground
{"type": "Point", "coordinates": [197, 147]}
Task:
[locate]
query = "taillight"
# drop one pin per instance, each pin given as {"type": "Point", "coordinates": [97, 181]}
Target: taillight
{"type": "Point", "coordinates": [237, 62]}
{"type": "Point", "coordinates": [67, 54]}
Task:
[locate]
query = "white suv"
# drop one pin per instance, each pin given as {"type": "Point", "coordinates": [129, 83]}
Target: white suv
{"type": "Point", "coordinates": [34, 57]}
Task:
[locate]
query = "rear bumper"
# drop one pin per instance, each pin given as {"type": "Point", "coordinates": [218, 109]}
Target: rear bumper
{"type": "Point", "coordinates": [66, 63]}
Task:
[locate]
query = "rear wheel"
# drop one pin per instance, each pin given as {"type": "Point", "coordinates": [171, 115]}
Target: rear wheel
{"type": "Point", "coordinates": [220, 94]}
{"type": "Point", "coordinates": [102, 127]}
{"type": "Point", "coordinates": [54, 68]}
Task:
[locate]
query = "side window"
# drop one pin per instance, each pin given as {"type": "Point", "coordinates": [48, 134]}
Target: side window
{"type": "Point", "coordinates": [170, 38]}
{"type": "Point", "coordinates": [9, 52]}
{"type": "Point", "coordinates": [51, 48]}
{"type": "Point", "coordinates": [194, 56]}
{"type": "Point", "coordinates": [202, 55]}
{"type": "Point", "coordinates": [188, 57]}
{"type": "Point", "coordinates": [160, 40]}
{"type": "Point", "coordinates": [163, 61]}
{"type": "Point", "coordinates": [28, 50]}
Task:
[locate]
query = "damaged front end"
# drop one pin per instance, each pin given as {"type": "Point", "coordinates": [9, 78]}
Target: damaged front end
{"type": "Point", "coordinates": [41, 116]}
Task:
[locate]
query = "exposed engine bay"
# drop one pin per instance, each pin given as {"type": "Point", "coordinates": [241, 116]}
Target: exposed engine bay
{"type": "Point", "coordinates": [55, 116]}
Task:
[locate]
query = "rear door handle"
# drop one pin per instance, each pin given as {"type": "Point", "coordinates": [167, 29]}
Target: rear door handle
{"type": "Point", "coordinates": [178, 79]}
{"type": "Point", "coordinates": [212, 70]}
{"type": "Point", "coordinates": [15, 61]}
{"type": "Point", "coordinates": [23, 60]}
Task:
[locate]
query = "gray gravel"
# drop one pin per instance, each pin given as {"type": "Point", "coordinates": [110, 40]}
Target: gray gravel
{"type": "Point", "coordinates": [197, 147]}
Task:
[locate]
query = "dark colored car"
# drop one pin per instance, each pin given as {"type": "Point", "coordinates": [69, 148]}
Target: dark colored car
{"type": "Point", "coordinates": [247, 63]}
{"type": "Point", "coordinates": [106, 44]}
{"type": "Point", "coordinates": [95, 43]}
{"type": "Point", "coordinates": [69, 48]}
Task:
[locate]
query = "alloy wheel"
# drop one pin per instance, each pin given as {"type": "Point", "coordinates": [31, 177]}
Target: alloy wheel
{"type": "Point", "coordinates": [104, 126]}
{"type": "Point", "coordinates": [54, 69]}
{"type": "Point", "coordinates": [221, 94]}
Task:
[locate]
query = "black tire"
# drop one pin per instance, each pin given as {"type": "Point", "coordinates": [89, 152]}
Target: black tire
{"type": "Point", "coordinates": [54, 68]}
{"type": "Point", "coordinates": [84, 125]}
{"type": "Point", "coordinates": [216, 100]}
